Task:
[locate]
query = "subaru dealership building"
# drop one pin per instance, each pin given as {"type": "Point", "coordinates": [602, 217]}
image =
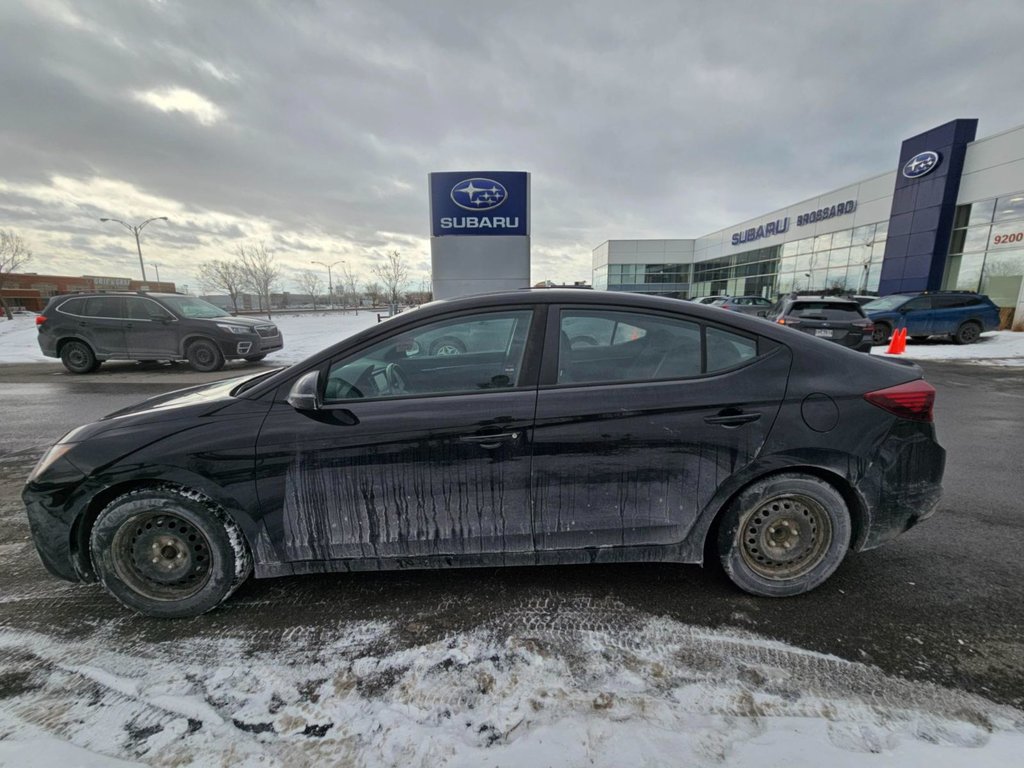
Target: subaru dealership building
{"type": "Point", "coordinates": [949, 216]}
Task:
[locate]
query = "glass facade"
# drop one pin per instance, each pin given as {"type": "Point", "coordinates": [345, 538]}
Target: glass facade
{"type": "Point", "coordinates": [986, 251]}
{"type": "Point", "coordinates": [656, 279]}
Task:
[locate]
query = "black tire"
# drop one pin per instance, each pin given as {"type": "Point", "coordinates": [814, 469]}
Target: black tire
{"type": "Point", "coordinates": [447, 345]}
{"type": "Point", "coordinates": [967, 333]}
{"type": "Point", "coordinates": [78, 357]}
{"type": "Point", "coordinates": [199, 553]}
{"type": "Point", "coordinates": [784, 535]}
{"type": "Point", "coordinates": [255, 358]}
{"type": "Point", "coordinates": [881, 333]}
{"type": "Point", "coordinates": [204, 356]}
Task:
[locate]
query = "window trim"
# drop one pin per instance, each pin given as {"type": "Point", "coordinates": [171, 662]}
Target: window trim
{"type": "Point", "coordinates": [85, 300]}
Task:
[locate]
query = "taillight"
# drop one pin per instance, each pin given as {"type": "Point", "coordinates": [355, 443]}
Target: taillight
{"type": "Point", "coordinates": [913, 400]}
{"type": "Point", "coordinates": [865, 325]}
{"type": "Point", "coordinates": [40, 319]}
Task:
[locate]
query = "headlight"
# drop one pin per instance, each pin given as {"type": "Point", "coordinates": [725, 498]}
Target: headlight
{"type": "Point", "coordinates": [49, 459]}
{"type": "Point", "coordinates": [238, 329]}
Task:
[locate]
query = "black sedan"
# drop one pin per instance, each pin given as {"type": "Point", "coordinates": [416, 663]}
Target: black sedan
{"type": "Point", "coordinates": [682, 430]}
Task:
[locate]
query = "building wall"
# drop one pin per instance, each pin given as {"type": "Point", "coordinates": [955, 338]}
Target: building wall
{"type": "Point", "coordinates": [32, 291]}
{"type": "Point", "coordinates": [846, 251]}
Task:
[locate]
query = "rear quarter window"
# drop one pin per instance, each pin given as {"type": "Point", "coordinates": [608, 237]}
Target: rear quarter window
{"type": "Point", "coordinates": [727, 350]}
{"type": "Point", "coordinates": [73, 307]}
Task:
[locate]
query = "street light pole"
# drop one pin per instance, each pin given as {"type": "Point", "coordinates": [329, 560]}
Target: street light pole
{"type": "Point", "coordinates": [330, 279]}
{"type": "Point", "coordinates": [135, 229]}
{"type": "Point", "coordinates": [157, 268]}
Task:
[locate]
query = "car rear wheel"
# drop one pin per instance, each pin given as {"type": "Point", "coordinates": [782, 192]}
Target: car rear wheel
{"type": "Point", "coordinates": [203, 355]}
{"type": "Point", "coordinates": [784, 535]}
{"type": "Point", "coordinates": [78, 357]}
{"type": "Point", "coordinates": [168, 552]}
{"type": "Point", "coordinates": [968, 333]}
{"type": "Point", "coordinates": [881, 333]}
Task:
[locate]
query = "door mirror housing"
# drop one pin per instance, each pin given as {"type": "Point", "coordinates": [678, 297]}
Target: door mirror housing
{"type": "Point", "coordinates": [305, 393]}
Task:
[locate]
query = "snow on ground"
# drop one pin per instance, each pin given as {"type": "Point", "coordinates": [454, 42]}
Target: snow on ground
{"type": "Point", "coordinates": [307, 333]}
{"type": "Point", "coordinates": [565, 689]}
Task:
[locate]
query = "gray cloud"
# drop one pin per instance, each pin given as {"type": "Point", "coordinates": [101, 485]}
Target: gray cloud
{"type": "Point", "coordinates": [664, 119]}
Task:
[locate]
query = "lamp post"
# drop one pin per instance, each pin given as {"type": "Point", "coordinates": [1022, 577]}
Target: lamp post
{"type": "Point", "coordinates": [157, 268]}
{"type": "Point", "coordinates": [330, 279]}
{"type": "Point", "coordinates": [135, 229]}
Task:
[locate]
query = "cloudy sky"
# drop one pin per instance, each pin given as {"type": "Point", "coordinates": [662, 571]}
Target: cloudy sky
{"type": "Point", "coordinates": [313, 125]}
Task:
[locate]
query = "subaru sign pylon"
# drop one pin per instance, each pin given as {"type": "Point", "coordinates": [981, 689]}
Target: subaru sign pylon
{"type": "Point", "coordinates": [479, 232]}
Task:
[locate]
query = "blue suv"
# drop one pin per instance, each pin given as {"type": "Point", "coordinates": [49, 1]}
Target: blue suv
{"type": "Point", "coordinates": [961, 315]}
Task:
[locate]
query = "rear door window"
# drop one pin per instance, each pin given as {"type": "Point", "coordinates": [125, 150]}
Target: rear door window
{"type": "Point", "coordinates": [104, 307]}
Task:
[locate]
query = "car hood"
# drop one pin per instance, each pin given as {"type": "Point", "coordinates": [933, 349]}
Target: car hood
{"type": "Point", "coordinates": [246, 322]}
{"type": "Point", "coordinates": [172, 406]}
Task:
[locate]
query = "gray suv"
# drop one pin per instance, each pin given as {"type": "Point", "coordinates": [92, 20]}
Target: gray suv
{"type": "Point", "coordinates": [83, 330]}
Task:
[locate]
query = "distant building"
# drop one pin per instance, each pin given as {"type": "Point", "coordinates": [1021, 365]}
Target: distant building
{"type": "Point", "coordinates": [31, 290]}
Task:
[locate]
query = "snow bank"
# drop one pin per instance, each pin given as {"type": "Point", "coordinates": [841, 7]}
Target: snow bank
{"type": "Point", "coordinates": [997, 348]}
{"type": "Point", "coordinates": [595, 685]}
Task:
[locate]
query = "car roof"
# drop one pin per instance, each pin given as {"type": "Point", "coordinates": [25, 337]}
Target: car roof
{"type": "Point", "coordinates": [836, 299]}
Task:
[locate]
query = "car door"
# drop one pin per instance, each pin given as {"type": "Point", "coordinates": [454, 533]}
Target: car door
{"type": "Point", "coordinates": [411, 453]}
{"type": "Point", "coordinates": [918, 317]}
{"type": "Point", "coordinates": [151, 332]}
{"type": "Point", "coordinates": [103, 326]}
{"type": "Point", "coordinates": [633, 437]}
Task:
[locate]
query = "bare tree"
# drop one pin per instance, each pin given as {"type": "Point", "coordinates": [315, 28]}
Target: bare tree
{"type": "Point", "coordinates": [349, 289]}
{"type": "Point", "coordinates": [373, 292]}
{"type": "Point", "coordinates": [393, 273]}
{"type": "Point", "coordinates": [260, 270]}
{"type": "Point", "coordinates": [226, 276]}
{"type": "Point", "coordinates": [14, 254]}
{"type": "Point", "coordinates": [311, 283]}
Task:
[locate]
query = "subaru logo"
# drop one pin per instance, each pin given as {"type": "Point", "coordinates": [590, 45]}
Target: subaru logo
{"type": "Point", "coordinates": [479, 194]}
{"type": "Point", "coordinates": [920, 164]}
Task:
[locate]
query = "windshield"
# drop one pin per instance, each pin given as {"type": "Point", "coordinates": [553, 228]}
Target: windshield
{"type": "Point", "coordinates": [886, 303]}
{"type": "Point", "coordinates": [189, 306]}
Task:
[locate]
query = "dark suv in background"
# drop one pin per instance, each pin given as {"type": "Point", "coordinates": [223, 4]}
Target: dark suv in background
{"type": "Point", "coordinates": [828, 317]}
{"type": "Point", "coordinates": [83, 330]}
{"type": "Point", "coordinates": [961, 315]}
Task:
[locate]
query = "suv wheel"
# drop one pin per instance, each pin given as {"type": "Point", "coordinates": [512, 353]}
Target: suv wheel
{"type": "Point", "coordinates": [447, 346]}
{"type": "Point", "coordinates": [968, 333]}
{"type": "Point", "coordinates": [204, 356]}
{"type": "Point", "coordinates": [78, 357]}
{"type": "Point", "coordinates": [881, 333]}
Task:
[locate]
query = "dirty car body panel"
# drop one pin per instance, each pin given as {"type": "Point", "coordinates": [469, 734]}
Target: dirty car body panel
{"type": "Point", "coordinates": [544, 456]}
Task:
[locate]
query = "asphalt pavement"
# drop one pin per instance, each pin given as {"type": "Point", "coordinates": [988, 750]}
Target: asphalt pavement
{"type": "Point", "coordinates": [942, 603]}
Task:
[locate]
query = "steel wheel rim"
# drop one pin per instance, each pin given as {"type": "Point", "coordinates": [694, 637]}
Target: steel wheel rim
{"type": "Point", "coordinates": [970, 333]}
{"type": "Point", "coordinates": [203, 355]}
{"type": "Point", "coordinates": [785, 537]}
{"type": "Point", "coordinates": [162, 556]}
{"type": "Point", "coordinates": [77, 357]}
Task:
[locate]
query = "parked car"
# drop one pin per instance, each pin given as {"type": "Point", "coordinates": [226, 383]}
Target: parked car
{"type": "Point", "coordinates": [747, 305]}
{"type": "Point", "coordinates": [961, 315]}
{"type": "Point", "coordinates": [827, 317]}
{"type": "Point", "coordinates": [684, 431]}
{"type": "Point", "coordinates": [707, 299]}
{"type": "Point", "coordinates": [83, 330]}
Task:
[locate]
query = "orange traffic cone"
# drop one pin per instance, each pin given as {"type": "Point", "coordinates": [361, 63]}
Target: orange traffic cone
{"type": "Point", "coordinates": [894, 344]}
{"type": "Point", "coordinates": [903, 341]}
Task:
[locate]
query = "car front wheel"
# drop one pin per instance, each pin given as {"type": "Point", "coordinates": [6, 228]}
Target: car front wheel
{"type": "Point", "coordinates": [168, 552]}
{"type": "Point", "coordinates": [204, 356]}
{"type": "Point", "coordinates": [784, 535]}
{"type": "Point", "coordinates": [881, 333]}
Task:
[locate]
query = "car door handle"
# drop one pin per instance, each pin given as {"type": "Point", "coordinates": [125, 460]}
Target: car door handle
{"type": "Point", "coordinates": [732, 417]}
{"type": "Point", "coordinates": [490, 442]}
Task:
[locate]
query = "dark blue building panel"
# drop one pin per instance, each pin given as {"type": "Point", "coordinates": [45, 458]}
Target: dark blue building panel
{"type": "Point", "coordinates": [923, 207]}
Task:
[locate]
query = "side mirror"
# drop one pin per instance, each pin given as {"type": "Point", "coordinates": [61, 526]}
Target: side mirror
{"type": "Point", "coordinates": [305, 393]}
